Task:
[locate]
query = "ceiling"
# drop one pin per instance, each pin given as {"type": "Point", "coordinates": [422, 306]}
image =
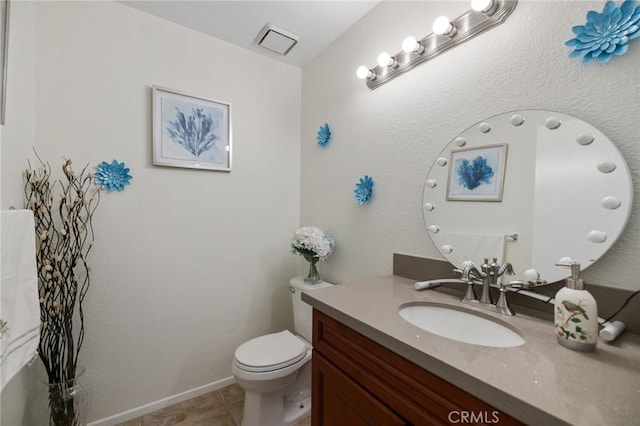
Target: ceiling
{"type": "Point", "coordinates": [316, 23]}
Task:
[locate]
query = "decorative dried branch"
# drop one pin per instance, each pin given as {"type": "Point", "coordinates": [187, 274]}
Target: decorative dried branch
{"type": "Point", "coordinates": [64, 235]}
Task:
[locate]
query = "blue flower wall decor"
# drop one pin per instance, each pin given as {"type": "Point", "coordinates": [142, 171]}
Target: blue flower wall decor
{"type": "Point", "coordinates": [472, 174]}
{"type": "Point", "coordinates": [112, 176]}
{"type": "Point", "coordinates": [324, 135]}
{"type": "Point", "coordinates": [193, 133]}
{"type": "Point", "coordinates": [364, 190]}
{"type": "Point", "coordinates": [606, 34]}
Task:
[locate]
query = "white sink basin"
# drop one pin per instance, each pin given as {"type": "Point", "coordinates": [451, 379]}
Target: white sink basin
{"type": "Point", "coordinates": [461, 325]}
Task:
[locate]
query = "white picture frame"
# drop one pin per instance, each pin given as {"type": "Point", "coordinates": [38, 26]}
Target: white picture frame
{"type": "Point", "coordinates": [477, 173]}
{"type": "Point", "coordinates": [190, 131]}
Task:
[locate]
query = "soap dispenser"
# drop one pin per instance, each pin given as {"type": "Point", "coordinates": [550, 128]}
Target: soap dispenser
{"type": "Point", "coordinates": [576, 314]}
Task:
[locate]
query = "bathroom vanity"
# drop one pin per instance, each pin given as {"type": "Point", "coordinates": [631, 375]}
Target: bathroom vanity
{"type": "Point", "coordinates": [374, 362]}
{"type": "Point", "coordinates": [357, 381]}
{"type": "Point", "coordinates": [370, 366]}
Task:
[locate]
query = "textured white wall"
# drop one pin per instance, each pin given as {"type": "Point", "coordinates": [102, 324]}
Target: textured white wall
{"type": "Point", "coordinates": [395, 132]}
{"type": "Point", "coordinates": [18, 138]}
{"type": "Point", "coordinates": [187, 264]}
{"type": "Point", "coordinates": [18, 133]}
{"type": "Point", "coordinates": [180, 273]}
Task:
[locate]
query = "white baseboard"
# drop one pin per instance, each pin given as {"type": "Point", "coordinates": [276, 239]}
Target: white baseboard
{"type": "Point", "coordinates": [163, 403]}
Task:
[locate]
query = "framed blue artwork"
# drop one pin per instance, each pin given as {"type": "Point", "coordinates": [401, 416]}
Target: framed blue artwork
{"type": "Point", "coordinates": [477, 174]}
{"type": "Point", "coordinates": [190, 131]}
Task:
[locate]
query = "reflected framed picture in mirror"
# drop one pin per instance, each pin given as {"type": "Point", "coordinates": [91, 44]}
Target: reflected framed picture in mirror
{"type": "Point", "coordinates": [477, 174]}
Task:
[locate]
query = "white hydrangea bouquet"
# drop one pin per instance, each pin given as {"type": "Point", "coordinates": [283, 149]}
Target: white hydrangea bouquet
{"type": "Point", "coordinates": [314, 245]}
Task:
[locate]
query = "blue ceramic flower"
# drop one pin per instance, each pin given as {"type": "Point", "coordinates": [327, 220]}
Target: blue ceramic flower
{"type": "Point", "coordinates": [364, 190]}
{"type": "Point", "coordinates": [112, 176]}
{"type": "Point", "coordinates": [324, 135]}
{"type": "Point", "coordinates": [606, 34]}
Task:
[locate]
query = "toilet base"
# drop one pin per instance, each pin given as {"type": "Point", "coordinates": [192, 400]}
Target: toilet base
{"type": "Point", "coordinates": [296, 411]}
{"type": "Point", "coordinates": [257, 408]}
{"type": "Point", "coordinates": [281, 408]}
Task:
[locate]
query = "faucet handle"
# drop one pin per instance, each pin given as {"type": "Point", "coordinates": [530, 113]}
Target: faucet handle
{"type": "Point", "coordinates": [485, 267]}
{"type": "Point", "coordinates": [495, 265]}
{"type": "Point", "coordinates": [506, 268]}
{"type": "Point", "coordinates": [502, 305]}
{"type": "Point", "coordinates": [471, 274]}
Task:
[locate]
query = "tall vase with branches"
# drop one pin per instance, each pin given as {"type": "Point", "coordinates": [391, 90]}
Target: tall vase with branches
{"type": "Point", "coordinates": [63, 211]}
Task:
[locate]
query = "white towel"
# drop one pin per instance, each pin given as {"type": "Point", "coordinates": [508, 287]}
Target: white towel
{"type": "Point", "coordinates": [19, 305]}
{"type": "Point", "coordinates": [473, 247]}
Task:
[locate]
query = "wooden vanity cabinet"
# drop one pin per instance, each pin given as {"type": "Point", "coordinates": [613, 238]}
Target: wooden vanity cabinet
{"type": "Point", "coordinates": [356, 381]}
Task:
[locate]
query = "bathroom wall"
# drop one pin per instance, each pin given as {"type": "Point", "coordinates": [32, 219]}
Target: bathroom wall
{"type": "Point", "coordinates": [17, 137]}
{"type": "Point", "coordinates": [181, 272]}
{"type": "Point", "coordinates": [395, 132]}
{"type": "Point", "coordinates": [187, 264]}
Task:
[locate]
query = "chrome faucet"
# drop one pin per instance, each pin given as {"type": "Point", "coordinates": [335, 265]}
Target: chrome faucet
{"type": "Point", "coordinates": [489, 272]}
{"type": "Point", "coordinates": [489, 275]}
{"type": "Point", "coordinates": [470, 275]}
{"type": "Point", "coordinates": [502, 305]}
{"type": "Point", "coordinates": [505, 269]}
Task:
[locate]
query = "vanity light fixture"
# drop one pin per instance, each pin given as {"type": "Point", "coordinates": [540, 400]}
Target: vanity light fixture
{"type": "Point", "coordinates": [442, 26]}
{"type": "Point", "coordinates": [483, 15]}
{"type": "Point", "coordinates": [363, 72]}
{"type": "Point", "coordinates": [386, 60]}
{"type": "Point", "coordinates": [411, 45]}
{"type": "Point", "coordinates": [487, 7]}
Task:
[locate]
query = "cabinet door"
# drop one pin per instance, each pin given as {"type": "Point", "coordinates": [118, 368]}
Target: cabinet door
{"type": "Point", "coordinates": [338, 400]}
{"type": "Point", "coordinates": [416, 395]}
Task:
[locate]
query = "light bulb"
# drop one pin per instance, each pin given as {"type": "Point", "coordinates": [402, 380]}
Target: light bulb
{"type": "Point", "coordinates": [384, 59]}
{"type": "Point", "coordinates": [410, 44]}
{"type": "Point", "coordinates": [482, 5]}
{"type": "Point", "coordinates": [442, 25]}
{"type": "Point", "coordinates": [363, 72]}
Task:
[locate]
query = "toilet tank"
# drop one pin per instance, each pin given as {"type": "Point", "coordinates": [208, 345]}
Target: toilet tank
{"type": "Point", "coordinates": [302, 312]}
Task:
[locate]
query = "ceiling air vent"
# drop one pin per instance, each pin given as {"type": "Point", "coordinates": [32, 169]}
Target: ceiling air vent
{"type": "Point", "coordinates": [276, 39]}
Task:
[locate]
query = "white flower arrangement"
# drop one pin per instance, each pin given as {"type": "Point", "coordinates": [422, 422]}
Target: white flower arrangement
{"type": "Point", "coordinates": [311, 241]}
{"type": "Point", "coordinates": [314, 245]}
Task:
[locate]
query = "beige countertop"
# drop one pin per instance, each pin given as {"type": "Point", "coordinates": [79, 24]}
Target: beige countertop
{"type": "Point", "coordinates": [539, 383]}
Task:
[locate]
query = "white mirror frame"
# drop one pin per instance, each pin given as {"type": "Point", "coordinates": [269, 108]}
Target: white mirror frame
{"type": "Point", "coordinates": [567, 193]}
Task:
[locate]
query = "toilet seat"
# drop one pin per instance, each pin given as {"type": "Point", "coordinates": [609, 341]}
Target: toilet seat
{"type": "Point", "coordinates": [270, 352]}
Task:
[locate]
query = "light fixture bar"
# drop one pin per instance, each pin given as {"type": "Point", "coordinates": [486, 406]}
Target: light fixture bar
{"type": "Point", "coordinates": [465, 27]}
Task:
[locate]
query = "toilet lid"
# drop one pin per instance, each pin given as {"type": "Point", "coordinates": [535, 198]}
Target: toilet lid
{"type": "Point", "coordinates": [270, 352]}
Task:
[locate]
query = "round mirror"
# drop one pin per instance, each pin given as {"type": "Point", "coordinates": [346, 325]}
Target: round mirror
{"type": "Point", "coordinates": [530, 188]}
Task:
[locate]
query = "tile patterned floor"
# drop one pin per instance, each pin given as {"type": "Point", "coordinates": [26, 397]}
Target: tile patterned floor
{"type": "Point", "coordinates": [218, 408]}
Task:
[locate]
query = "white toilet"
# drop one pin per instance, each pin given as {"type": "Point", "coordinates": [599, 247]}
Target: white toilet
{"type": "Point", "coordinates": [274, 369]}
